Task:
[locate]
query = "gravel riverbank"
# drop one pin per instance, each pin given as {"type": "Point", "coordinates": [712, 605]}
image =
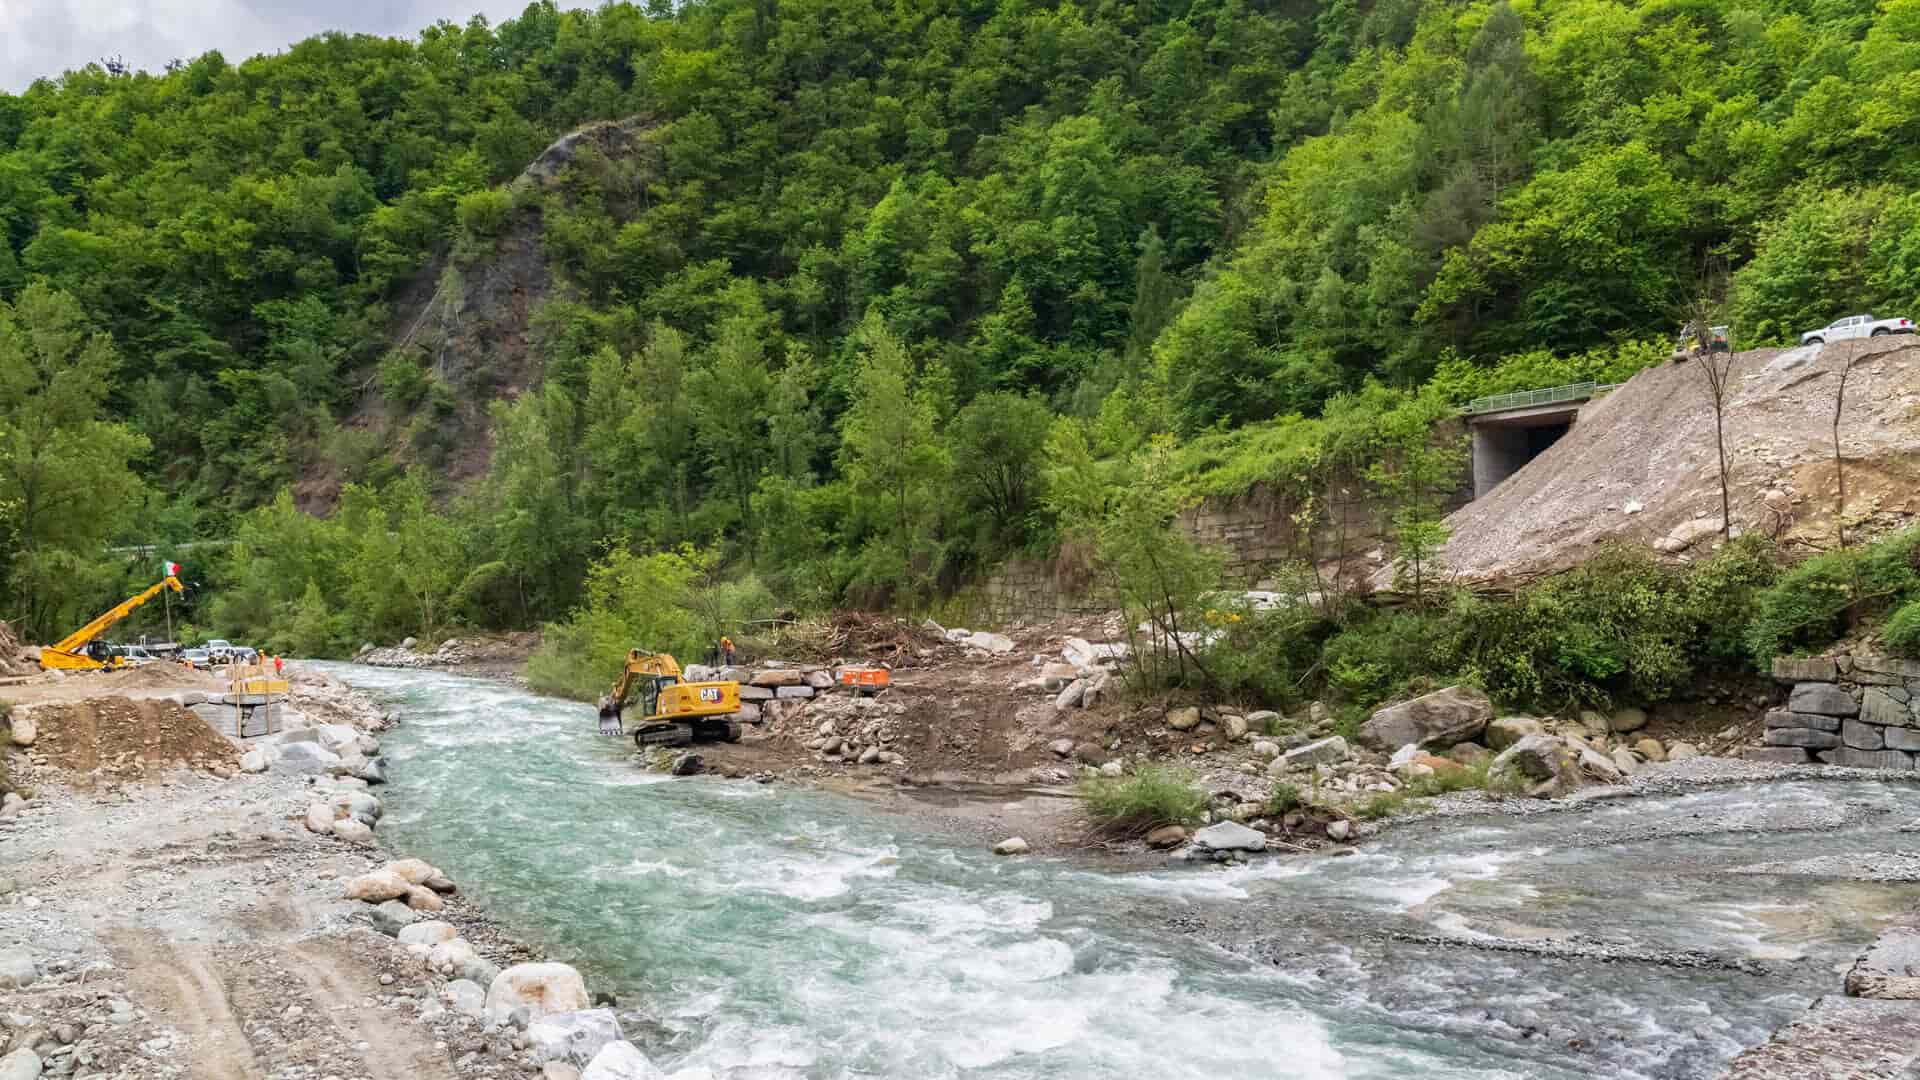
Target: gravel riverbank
{"type": "Point", "coordinates": [190, 924]}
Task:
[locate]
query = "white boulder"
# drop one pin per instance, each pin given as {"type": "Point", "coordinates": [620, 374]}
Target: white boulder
{"type": "Point", "coordinates": [573, 1037]}
{"type": "Point", "coordinates": [542, 989]}
{"type": "Point", "coordinates": [621, 1061]}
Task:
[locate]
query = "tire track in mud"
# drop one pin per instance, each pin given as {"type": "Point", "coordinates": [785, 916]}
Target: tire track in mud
{"type": "Point", "coordinates": [181, 985]}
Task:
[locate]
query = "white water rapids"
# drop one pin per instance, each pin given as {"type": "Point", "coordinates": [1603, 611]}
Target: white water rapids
{"type": "Point", "coordinates": [767, 931]}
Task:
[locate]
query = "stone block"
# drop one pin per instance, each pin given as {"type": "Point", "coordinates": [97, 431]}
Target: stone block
{"type": "Point", "coordinates": [1890, 970]}
{"type": "Point", "coordinates": [1868, 759]}
{"type": "Point", "coordinates": [1899, 738]}
{"type": "Point", "coordinates": [1804, 669]}
{"type": "Point", "coordinates": [1885, 665]}
{"type": "Point", "coordinates": [1802, 737]}
{"type": "Point", "coordinates": [778, 677]}
{"type": "Point", "coordinates": [1787, 718]}
{"type": "Point", "coordinates": [1879, 707]}
{"type": "Point", "coordinates": [756, 693]}
{"type": "Point", "coordinates": [800, 693]}
{"type": "Point", "coordinates": [1777, 755]}
{"type": "Point", "coordinates": [1825, 699]}
{"type": "Point", "coordinates": [1862, 736]}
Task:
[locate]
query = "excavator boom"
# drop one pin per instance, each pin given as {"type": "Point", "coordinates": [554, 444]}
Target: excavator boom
{"type": "Point", "coordinates": [676, 712]}
{"type": "Point", "coordinates": [70, 653]}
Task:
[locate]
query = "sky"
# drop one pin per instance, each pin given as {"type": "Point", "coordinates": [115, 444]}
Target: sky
{"type": "Point", "coordinates": [47, 37]}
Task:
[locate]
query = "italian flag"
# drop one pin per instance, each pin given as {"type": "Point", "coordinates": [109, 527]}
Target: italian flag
{"type": "Point", "coordinates": [173, 569]}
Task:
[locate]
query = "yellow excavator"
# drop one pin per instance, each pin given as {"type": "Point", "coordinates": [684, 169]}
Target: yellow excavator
{"type": "Point", "coordinates": [80, 651]}
{"type": "Point", "coordinates": [675, 713]}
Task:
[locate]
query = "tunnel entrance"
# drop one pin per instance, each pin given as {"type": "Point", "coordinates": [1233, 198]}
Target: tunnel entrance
{"type": "Point", "coordinates": [1503, 447]}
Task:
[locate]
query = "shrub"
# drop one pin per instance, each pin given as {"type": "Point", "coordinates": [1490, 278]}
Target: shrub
{"type": "Point", "coordinates": [1811, 605]}
{"type": "Point", "coordinates": [1901, 635]}
{"type": "Point", "coordinates": [1153, 796]}
{"type": "Point", "coordinates": [482, 214]}
{"type": "Point", "coordinates": [1282, 798]}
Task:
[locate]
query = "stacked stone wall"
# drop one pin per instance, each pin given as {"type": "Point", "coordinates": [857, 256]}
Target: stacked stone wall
{"type": "Point", "coordinates": [1860, 711]}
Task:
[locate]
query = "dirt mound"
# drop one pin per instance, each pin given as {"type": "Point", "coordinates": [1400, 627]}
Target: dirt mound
{"type": "Point", "coordinates": [1640, 467]}
{"type": "Point", "coordinates": [112, 740]}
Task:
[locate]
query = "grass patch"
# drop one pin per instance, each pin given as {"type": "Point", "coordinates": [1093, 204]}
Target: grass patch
{"type": "Point", "coordinates": [1443, 781]}
{"type": "Point", "coordinates": [1283, 799]}
{"type": "Point", "coordinates": [1154, 795]}
{"type": "Point", "coordinates": [6, 746]}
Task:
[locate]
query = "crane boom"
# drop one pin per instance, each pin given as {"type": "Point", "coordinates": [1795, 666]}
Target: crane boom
{"type": "Point", "coordinates": [69, 652]}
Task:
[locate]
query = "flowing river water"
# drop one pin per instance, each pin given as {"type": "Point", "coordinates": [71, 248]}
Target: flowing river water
{"type": "Point", "coordinates": [771, 931]}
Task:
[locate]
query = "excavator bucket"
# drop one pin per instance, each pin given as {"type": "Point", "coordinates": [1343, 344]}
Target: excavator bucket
{"type": "Point", "coordinates": [609, 720]}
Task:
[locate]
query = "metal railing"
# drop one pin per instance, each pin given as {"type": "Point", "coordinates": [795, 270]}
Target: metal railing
{"type": "Point", "coordinates": [1580, 391]}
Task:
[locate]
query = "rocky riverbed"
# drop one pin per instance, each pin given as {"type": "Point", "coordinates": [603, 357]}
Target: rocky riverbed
{"type": "Point", "coordinates": [188, 920]}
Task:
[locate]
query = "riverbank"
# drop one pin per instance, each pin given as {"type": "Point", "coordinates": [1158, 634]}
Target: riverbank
{"type": "Point", "coordinates": [168, 915]}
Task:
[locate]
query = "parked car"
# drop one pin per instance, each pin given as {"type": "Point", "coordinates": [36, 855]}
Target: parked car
{"type": "Point", "coordinates": [196, 658]}
{"type": "Point", "coordinates": [1856, 326]}
{"type": "Point", "coordinates": [221, 650]}
{"type": "Point", "coordinates": [136, 655]}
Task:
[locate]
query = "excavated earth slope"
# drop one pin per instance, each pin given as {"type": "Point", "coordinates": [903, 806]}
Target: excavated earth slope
{"type": "Point", "coordinates": [1639, 465]}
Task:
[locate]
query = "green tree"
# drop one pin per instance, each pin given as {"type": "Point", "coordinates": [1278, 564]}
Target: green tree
{"type": "Point", "coordinates": [66, 478]}
{"type": "Point", "coordinates": [892, 458]}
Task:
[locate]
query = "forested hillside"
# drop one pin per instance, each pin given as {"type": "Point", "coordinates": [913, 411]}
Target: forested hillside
{"type": "Point", "coordinates": [823, 330]}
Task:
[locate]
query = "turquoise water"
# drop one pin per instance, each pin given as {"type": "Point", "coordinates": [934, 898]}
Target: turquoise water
{"type": "Point", "coordinates": [765, 931]}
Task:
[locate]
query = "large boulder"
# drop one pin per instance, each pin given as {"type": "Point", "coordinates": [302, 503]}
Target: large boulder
{"type": "Point", "coordinates": [428, 932]}
{"type": "Point", "coordinates": [1184, 719]}
{"type": "Point", "coordinates": [621, 1061]}
{"type": "Point", "coordinates": [999, 644]}
{"type": "Point", "coordinates": [1433, 721]}
{"type": "Point", "coordinates": [1229, 836]}
{"type": "Point", "coordinates": [304, 759]}
{"type": "Point", "coordinates": [413, 871]}
{"type": "Point", "coordinates": [1325, 751]}
{"type": "Point", "coordinates": [16, 969]}
{"type": "Point", "coordinates": [353, 831]}
{"type": "Point", "coordinates": [777, 677]}
{"type": "Point", "coordinates": [22, 1064]}
{"type": "Point", "coordinates": [377, 887]}
{"type": "Point", "coordinates": [392, 917]}
{"type": "Point", "coordinates": [22, 728]}
{"type": "Point", "coordinates": [573, 1037]}
{"type": "Point", "coordinates": [1539, 765]}
{"type": "Point", "coordinates": [465, 997]}
{"type": "Point", "coordinates": [1625, 720]}
{"type": "Point", "coordinates": [541, 989]}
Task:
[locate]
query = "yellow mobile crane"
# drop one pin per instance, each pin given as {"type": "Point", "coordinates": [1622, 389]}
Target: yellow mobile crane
{"type": "Point", "coordinates": [79, 651]}
{"type": "Point", "coordinates": [675, 713]}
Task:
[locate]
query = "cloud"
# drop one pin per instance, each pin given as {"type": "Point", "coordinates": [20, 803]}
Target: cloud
{"type": "Point", "coordinates": [43, 38]}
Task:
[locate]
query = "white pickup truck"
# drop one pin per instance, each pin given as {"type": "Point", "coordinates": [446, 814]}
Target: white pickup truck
{"type": "Point", "coordinates": [1855, 326]}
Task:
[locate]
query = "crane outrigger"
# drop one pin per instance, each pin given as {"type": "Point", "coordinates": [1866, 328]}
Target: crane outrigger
{"type": "Point", "coordinates": [79, 651]}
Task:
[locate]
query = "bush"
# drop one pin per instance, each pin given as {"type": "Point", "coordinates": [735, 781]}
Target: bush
{"type": "Point", "coordinates": [1902, 632]}
{"type": "Point", "coordinates": [1283, 798]}
{"type": "Point", "coordinates": [1151, 797]}
{"type": "Point", "coordinates": [482, 214]}
{"type": "Point", "coordinates": [1812, 605]}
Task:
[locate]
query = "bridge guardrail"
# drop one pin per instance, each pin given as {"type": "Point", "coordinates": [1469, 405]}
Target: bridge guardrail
{"type": "Point", "coordinates": [1580, 391]}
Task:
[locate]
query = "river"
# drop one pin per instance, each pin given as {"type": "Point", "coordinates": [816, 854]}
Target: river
{"type": "Point", "coordinates": [770, 931]}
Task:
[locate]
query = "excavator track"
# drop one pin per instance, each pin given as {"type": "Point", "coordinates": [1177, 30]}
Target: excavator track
{"type": "Point", "coordinates": [716, 729]}
{"type": "Point", "coordinates": [663, 735]}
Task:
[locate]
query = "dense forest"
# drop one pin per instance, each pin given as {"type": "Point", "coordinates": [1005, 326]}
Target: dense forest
{"type": "Point", "coordinates": [893, 291]}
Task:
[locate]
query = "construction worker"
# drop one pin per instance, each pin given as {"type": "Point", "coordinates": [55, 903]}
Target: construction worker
{"type": "Point", "coordinates": [726, 651]}
{"type": "Point", "coordinates": [276, 667]}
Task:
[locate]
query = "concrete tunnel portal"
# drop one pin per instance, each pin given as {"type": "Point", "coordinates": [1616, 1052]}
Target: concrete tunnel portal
{"type": "Point", "coordinates": [1512, 430]}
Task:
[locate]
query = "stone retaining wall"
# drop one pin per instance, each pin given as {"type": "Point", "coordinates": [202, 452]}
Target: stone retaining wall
{"type": "Point", "coordinates": [1860, 711]}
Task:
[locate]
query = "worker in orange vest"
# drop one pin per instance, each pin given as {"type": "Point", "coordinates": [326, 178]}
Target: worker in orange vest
{"type": "Point", "coordinates": [726, 651]}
